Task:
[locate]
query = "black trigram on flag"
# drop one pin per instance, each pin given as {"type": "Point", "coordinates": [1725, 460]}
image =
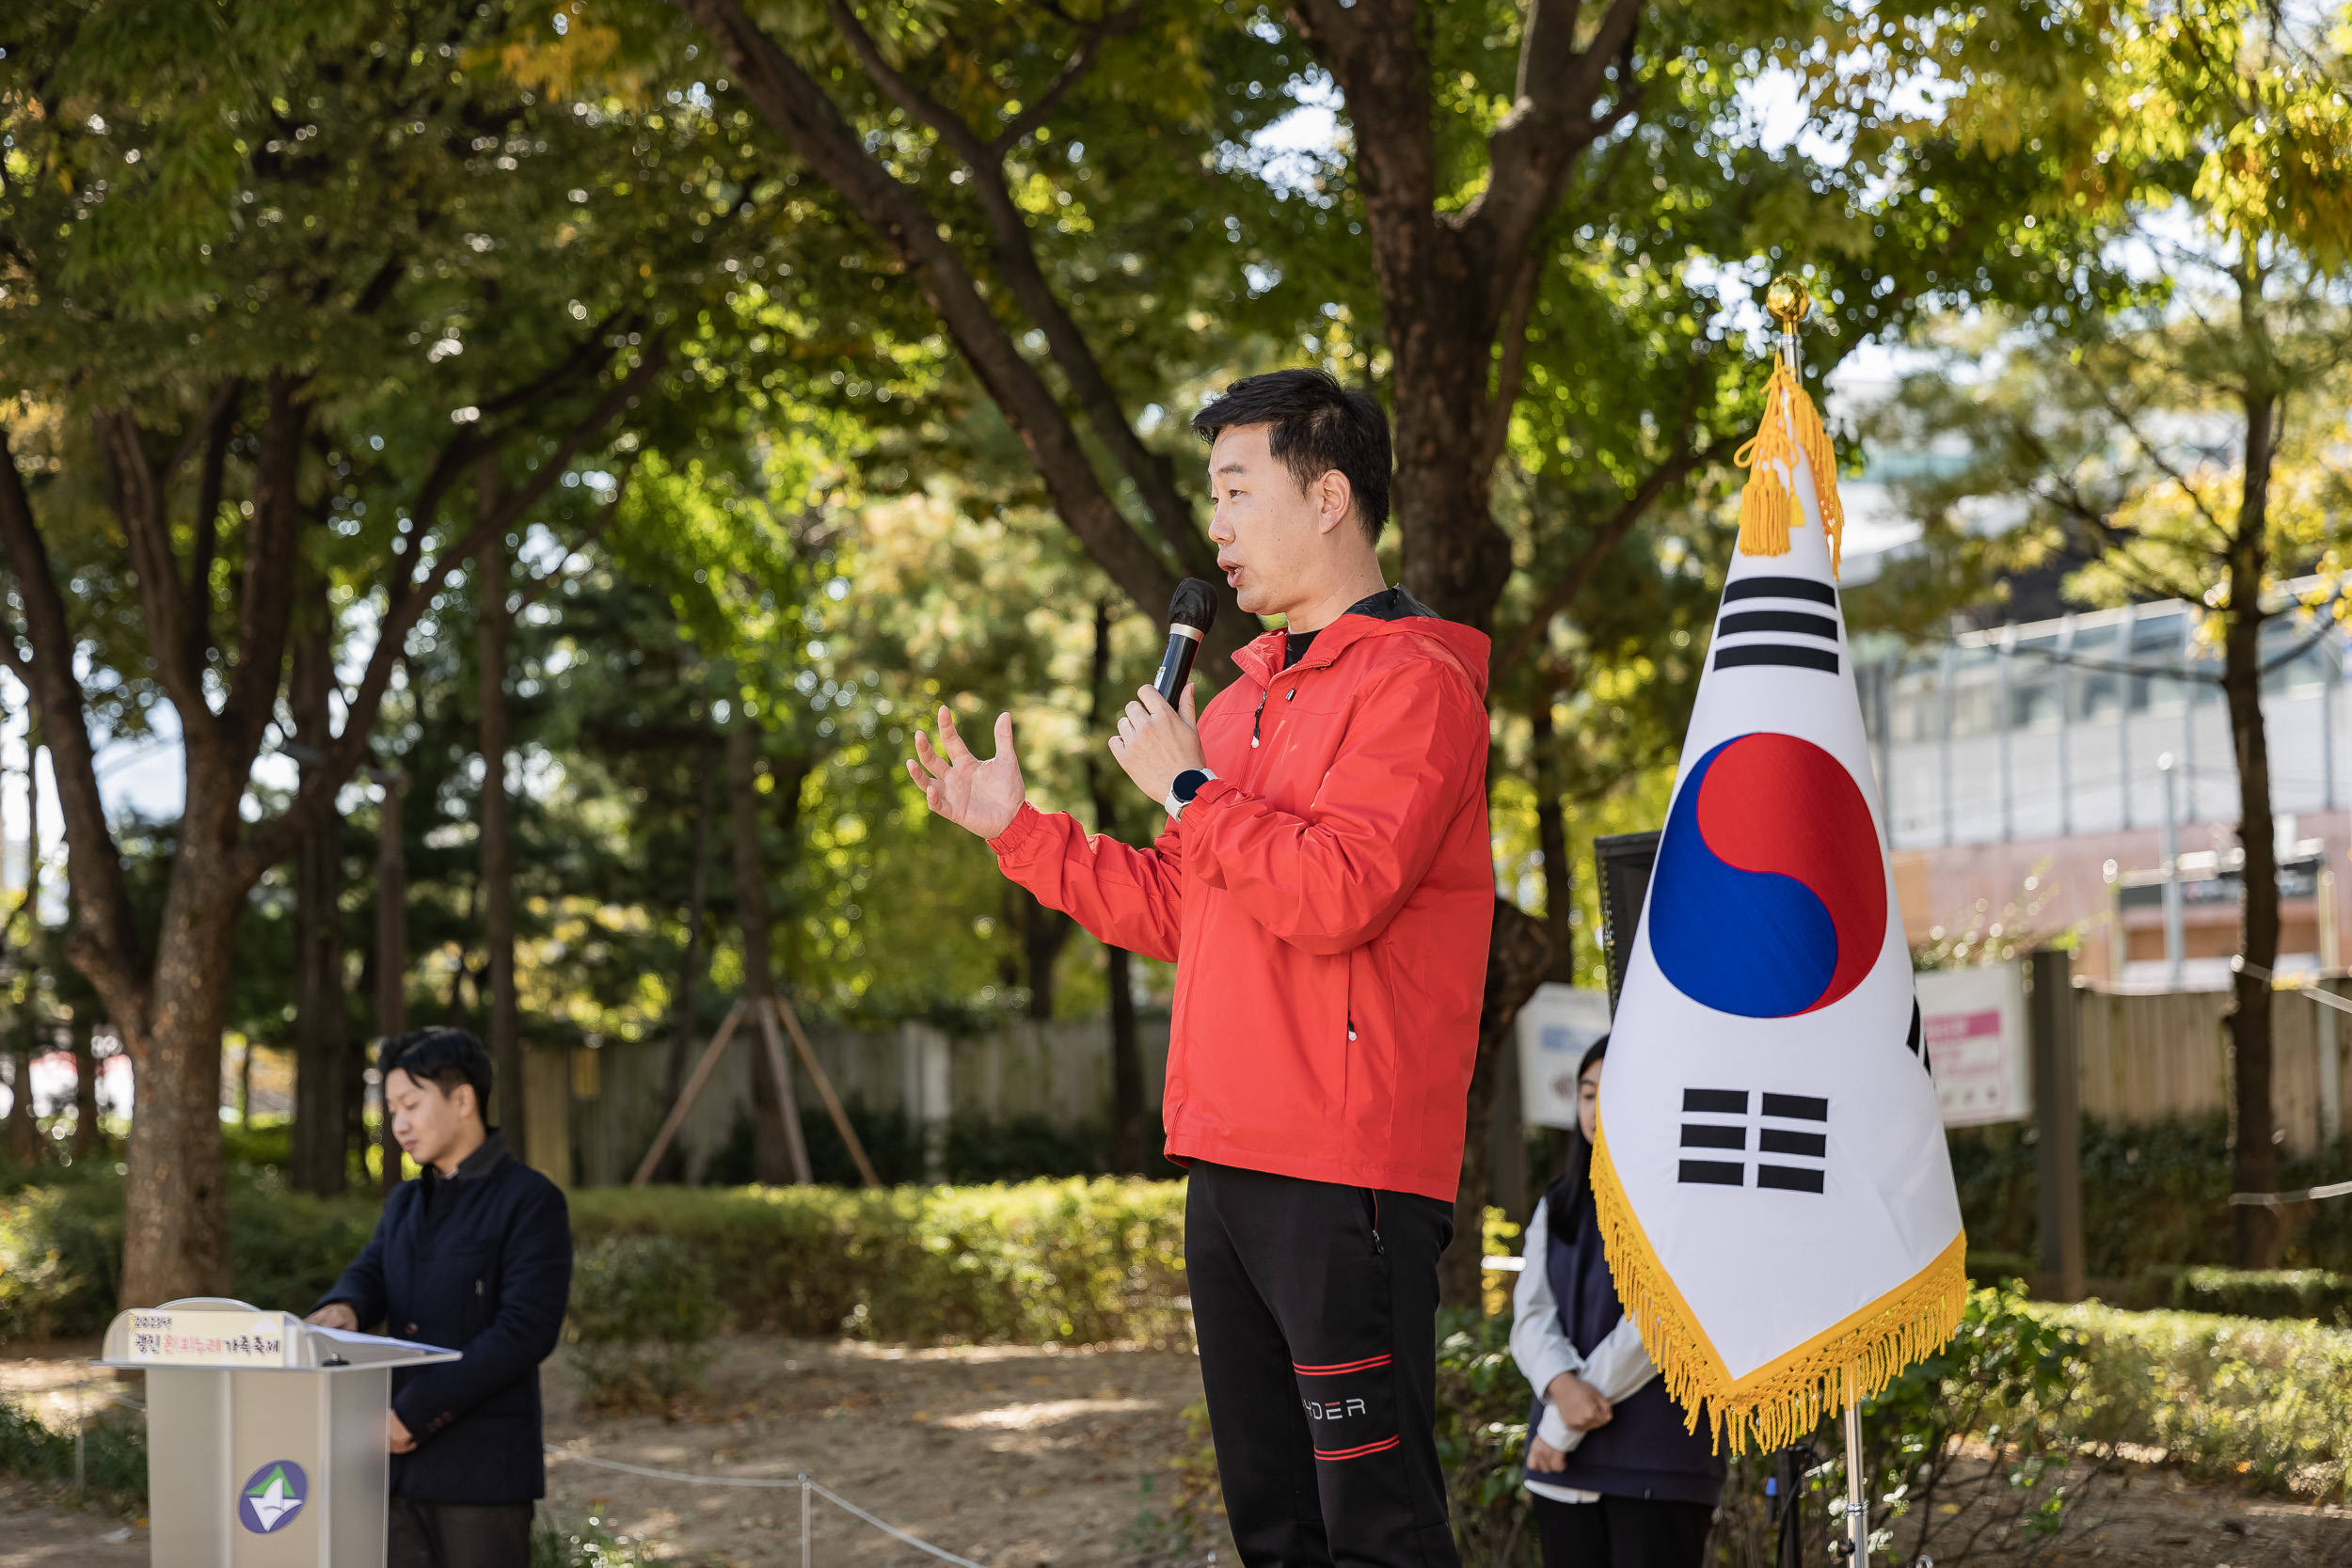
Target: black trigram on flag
{"type": "Point", "coordinates": [1734, 627]}
{"type": "Point", "coordinates": [1786, 1127]}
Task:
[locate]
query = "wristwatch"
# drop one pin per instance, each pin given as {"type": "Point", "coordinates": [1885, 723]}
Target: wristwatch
{"type": "Point", "coordinates": [1180, 794]}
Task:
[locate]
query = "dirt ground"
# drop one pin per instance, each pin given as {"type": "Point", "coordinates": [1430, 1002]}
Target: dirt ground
{"type": "Point", "coordinates": [1014, 1458]}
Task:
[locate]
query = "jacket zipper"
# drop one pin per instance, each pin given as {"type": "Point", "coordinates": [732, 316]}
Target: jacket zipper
{"type": "Point", "coordinates": [1254, 717]}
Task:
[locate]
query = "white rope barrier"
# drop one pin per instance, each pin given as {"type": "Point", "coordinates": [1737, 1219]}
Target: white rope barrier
{"type": "Point", "coordinates": [801, 1483]}
{"type": "Point", "coordinates": [2300, 1195]}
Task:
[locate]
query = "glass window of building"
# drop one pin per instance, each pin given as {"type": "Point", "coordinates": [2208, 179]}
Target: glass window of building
{"type": "Point", "coordinates": [2293, 655]}
{"type": "Point", "coordinates": [2098, 688]}
{"type": "Point", "coordinates": [2033, 683]}
{"type": "Point", "coordinates": [2157, 646]}
{"type": "Point", "coordinates": [1917, 706]}
{"type": "Point", "coordinates": [2204, 663]}
{"type": "Point", "coordinates": [1976, 688]}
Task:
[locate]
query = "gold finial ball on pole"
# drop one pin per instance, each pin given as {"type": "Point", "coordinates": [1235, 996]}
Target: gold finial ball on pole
{"type": "Point", "coordinates": [1788, 301]}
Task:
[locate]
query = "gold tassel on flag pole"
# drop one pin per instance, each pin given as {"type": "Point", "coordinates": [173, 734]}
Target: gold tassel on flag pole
{"type": "Point", "coordinates": [1768, 504]}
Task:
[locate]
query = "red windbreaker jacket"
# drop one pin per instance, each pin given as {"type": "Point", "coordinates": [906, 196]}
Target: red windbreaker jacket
{"type": "Point", "coordinates": [1327, 901]}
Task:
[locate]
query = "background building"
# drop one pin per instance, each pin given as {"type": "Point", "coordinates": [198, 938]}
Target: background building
{"type": "Point", "coordinates": [2022, 768]}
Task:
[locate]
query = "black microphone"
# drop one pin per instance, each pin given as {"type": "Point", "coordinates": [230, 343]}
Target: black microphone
{"type": "Point", "coordinates": [1189, 614]}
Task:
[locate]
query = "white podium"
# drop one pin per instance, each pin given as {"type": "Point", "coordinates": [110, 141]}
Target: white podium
{"type": "Point", "coordinates": [265, 1443]}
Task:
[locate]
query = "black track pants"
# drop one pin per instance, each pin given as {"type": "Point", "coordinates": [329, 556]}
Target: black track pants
{"type": "Point", "coordinates": [1622, 1532]}
{"type": "Point", "coordinates": [1315, 1308]}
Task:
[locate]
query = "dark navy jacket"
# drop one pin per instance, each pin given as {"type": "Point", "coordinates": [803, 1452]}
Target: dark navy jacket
{"type": "Point", "coordinates": [1644, 1451]}
{"type": "Point", "coordinates": [478, 1262]}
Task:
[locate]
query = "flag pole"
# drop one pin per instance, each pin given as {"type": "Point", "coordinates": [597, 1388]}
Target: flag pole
{"type": "Point", "coordinates": [1789, 302]}
{"type": "Point", "coordinates": [1858, 1504]}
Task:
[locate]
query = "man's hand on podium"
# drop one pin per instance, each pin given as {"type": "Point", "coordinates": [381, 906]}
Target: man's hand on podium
{"type": "Point", "coordinates": [399, 1441]}
{"type": "Point", "coordinates": [336, 1314]}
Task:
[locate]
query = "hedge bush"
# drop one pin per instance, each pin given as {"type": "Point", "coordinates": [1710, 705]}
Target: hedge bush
{"type": "Point", "coordinates": [643, 1311]}
{"type": "Point", "coordinates": [114, 1454]}
{"type": "Point", "coordinates": [2243, 1397]}
{"type": "Point", "coordinates": [2315, 1294]}
{"type": "Point", "coordinates": [61, 1249]}
{"type": "Point", "coordinates": [2155, 1196]}
{"type": "Point", "coordinates": [1084, 1260]}
{"type": "Point", "coordinates": [1081, 1261]}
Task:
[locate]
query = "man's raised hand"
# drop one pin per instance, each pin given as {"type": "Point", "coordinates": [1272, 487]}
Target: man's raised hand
{"type": "Point", "coordinates": [980, 796]}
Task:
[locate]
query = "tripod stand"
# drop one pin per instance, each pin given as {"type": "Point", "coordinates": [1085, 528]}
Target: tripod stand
{"type": "Point", "coordinates": [767, 1010]}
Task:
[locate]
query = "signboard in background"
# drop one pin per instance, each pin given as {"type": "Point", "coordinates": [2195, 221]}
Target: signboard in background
{"type": "Point", "coordinates": [1972, 1021]}
{"type": "Point", "coordinates": [1555, 1026]}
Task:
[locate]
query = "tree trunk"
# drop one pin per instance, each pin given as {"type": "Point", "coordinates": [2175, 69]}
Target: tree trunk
{"type": "Point", "coordinates": [175, 1240]}
{"type": "Point", "coordinates": [391, 955]}
{"type": "Point", "coordinates": [691, 962]}
{"type": "Point", "coordinates": [1552, 832]}
{"type": "Point", "coordinates": [788, 775]}
{"type": "Point", "coordinates": [1043, 934]}
{"type": "Point", "coordinates": [1131, 1145]}
{"type": "Point", "coordinates": [2254, 1157]}
{"type": "Point", "coordinates": [776, 1150]}
{"type": "Point", "coordinates": [497, 845]}
{"type": "Point", "coordinates": [23, 1131]}
{"type": "Point", "coordinates": [322, 1017]}
{"type": "Point", "coordinates": [89, 1136]}
{"type": "Point", "coordinates": [1516, 962]}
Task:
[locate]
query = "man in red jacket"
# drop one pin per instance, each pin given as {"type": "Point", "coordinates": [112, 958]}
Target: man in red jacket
{"type": "Point", "coordinates": [1325, 886]}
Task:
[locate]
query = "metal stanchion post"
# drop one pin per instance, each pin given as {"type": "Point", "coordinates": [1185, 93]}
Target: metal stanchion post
{"type": "Point", "coordinates": [804, 1508]}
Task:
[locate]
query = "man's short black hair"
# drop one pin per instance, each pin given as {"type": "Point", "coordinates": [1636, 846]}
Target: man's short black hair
{"type": "Point", "coordinates": [1318, 425]}
{"type": "Point", "coordinates": [444, 1057]}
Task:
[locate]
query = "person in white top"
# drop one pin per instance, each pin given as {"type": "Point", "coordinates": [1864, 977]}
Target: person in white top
{"type": "Point", "coordinates": [1615, 1476]}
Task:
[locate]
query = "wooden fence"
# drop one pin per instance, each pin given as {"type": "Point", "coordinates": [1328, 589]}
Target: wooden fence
{"type": "Point", "coordinates": [2158, 1056]}
{"type": "Point", "coordinates": [2144, 1058]}
{"type": "Point", "coordinates": [1059, 1073]}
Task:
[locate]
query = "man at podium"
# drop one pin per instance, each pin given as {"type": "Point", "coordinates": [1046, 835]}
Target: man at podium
{"type": "Point", "coordinates": [475, 1255]}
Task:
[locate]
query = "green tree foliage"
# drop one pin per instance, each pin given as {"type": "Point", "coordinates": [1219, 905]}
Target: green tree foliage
{"type": "Point", "coordinates": [2175, 435]}
{"type": "Point", "coordinates": [385, 270]}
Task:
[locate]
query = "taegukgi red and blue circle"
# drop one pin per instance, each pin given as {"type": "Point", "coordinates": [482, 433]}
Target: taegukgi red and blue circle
{"type": "Point", "coordinates": [1768, 899]}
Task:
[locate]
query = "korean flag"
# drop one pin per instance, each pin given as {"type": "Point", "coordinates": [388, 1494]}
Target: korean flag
{"type": "Point", "coordinates": [1771, 1169]}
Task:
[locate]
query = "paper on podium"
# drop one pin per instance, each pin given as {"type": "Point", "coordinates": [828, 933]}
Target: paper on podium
{"type": "Point", "coordinates": [378, 1347]}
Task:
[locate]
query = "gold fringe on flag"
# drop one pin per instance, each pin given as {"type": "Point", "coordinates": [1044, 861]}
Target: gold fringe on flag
{"type": "Point", "coordinates": [1782, 1400]}
{"type": "Point", "coordinates": [1767, 505]}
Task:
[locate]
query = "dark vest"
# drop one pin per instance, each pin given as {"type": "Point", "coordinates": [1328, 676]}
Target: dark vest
{"type": "Point", "coordinates": [1644, 1452]}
